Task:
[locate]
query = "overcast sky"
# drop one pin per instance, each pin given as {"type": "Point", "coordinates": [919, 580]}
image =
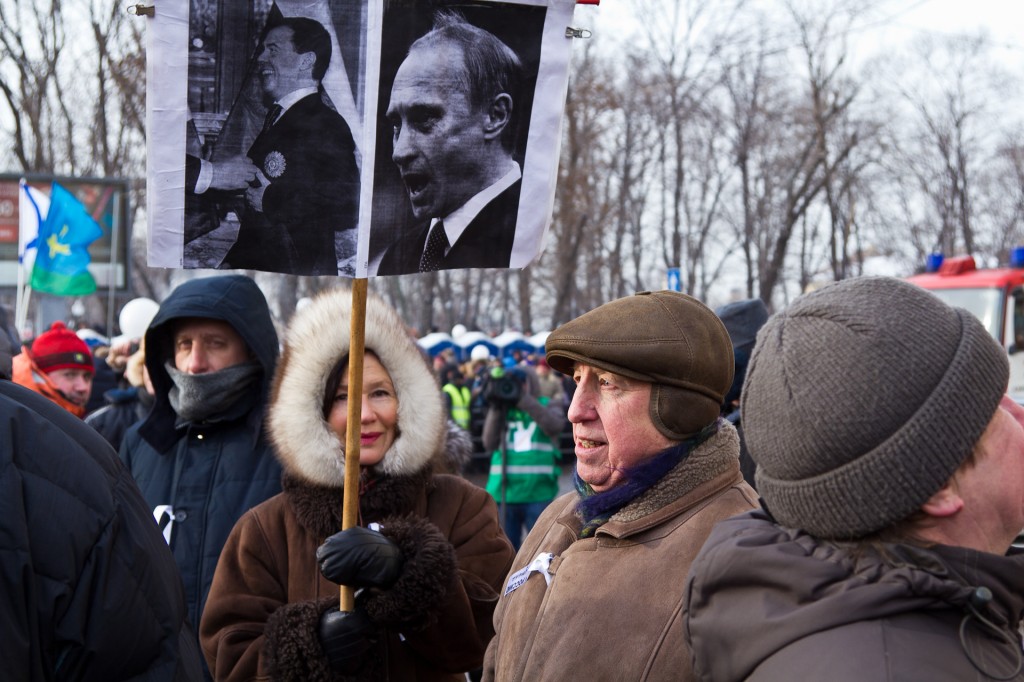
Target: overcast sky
{"type": "Point", "coordinates": [882, 30]}
{"type": "Point", "coordinates": [889, 22]}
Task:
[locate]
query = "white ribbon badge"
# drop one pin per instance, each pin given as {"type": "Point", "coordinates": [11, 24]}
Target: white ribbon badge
{"type": "Point", "coordinates": [539, 565]}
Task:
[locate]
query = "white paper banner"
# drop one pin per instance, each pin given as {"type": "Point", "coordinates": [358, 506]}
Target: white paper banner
{"type": "Point", "coordinates": [423, 118]}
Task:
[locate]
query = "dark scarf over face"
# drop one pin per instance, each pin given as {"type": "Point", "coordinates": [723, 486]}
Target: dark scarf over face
{"type": "Point", "coordinates": [596, 508]}
{"type": "Point", "coordinates": [214, 395]}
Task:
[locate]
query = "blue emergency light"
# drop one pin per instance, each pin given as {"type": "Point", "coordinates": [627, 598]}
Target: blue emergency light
{"type": "Point", "coordinates": [1017, 257]}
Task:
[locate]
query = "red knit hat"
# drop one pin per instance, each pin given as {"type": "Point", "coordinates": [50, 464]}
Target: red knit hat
{"type": "Point", "coordinates": [60, 348]}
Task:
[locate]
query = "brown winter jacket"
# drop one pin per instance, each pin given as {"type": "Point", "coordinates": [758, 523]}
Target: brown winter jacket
{"type": "Point", "coordinates": [267, 595]}
{"type": "Point", "coordinates": [613, 609]}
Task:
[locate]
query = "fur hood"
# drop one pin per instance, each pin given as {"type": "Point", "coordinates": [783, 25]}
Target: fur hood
{"type": "Point", "coordinates": [317, 338]}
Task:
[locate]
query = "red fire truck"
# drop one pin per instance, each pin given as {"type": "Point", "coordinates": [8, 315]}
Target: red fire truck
{"type": "Point", "coordinates": [994, 295]}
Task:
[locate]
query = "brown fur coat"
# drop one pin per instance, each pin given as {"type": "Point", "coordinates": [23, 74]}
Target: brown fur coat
{"type": "Point", "coordinates": [267, 595]}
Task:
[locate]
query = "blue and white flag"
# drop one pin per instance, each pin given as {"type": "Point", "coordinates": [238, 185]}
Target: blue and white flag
{"type": "Point", "coordinates": [33, 205]}
{"type": "Point", "coordinates": [62, 256]}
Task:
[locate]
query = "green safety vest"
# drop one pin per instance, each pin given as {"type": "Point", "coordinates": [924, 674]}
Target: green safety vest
{"type": "Point", "coordinates": [460, 404]}
{"type": "Point", "coordinates": [532, 462]}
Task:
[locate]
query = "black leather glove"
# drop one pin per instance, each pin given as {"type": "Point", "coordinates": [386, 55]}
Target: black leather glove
{"type": "Point", "coordinates": [345, 637]}
{"type": "Point", "coordinates": [360, 557]}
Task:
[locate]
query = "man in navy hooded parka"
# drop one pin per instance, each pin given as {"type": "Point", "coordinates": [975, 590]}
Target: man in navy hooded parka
{"type": "Point", "coordinates": [200, 457]}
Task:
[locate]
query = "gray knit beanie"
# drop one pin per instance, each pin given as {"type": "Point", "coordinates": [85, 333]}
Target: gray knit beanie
{"type": "Point", "coordinates": [862, 399]}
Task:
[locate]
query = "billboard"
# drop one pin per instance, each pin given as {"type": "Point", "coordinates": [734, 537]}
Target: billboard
{"type": "Point", "coordinates": [106, 200]}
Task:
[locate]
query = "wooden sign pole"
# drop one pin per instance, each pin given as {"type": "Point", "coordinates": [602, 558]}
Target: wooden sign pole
{"type": "Point", "coordinates": [350, 507]}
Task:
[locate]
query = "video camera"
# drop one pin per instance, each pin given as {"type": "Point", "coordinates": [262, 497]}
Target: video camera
{"type": "Point", "coordinates": [504, 388]}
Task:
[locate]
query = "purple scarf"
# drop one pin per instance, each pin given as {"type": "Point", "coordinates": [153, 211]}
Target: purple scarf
{"type": "Point", "coordinates": [596, 508]}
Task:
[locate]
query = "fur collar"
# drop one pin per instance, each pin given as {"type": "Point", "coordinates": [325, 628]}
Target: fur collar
{"type": "Point", "coordinates": [318, 507]}
{"type": "Point", "coordinates": [317, 338]}
{"type": "Point", "coordinates": [711, 458]}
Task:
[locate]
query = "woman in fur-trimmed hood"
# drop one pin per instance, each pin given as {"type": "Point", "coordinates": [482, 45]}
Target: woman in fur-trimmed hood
{"type": "Point", "coordinates": [429, 570]}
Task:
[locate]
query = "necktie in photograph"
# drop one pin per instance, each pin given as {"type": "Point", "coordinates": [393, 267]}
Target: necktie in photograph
{"type": "Point", "coordinates": [433, 253]}
{"type": "Point", "coordinates": [272, 114]}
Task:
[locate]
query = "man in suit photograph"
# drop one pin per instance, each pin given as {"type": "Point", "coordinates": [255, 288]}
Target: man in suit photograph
{"type": "Point", "coordinates": [307, 180]}
{"type": "Point", "coordinates": [202, 175]}
{"type": "Point", "coordinates": [451, 109]}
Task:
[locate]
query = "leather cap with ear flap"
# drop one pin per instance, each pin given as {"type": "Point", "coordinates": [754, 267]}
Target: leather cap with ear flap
{"type": "Point", "coordinates": [676, 423]}
{"type": "Point", "coordinates": [664, 337]}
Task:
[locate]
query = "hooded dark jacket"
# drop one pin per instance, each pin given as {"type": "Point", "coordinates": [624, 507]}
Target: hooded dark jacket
{"type": "Point", "coordinates": [267, 597]}
{"type": "Point", "coordinates": [124, 407]}
{"type": "Point", "coordinates": [770, 603]}
{"type": "Point", "coordinates": [742, 319]}
{"type": "Point", "coordinates": [211, 472]}
{"type": "Point", "coordinates": [9, 343]}
{"type": "Point", "coordinates": [88, 590]}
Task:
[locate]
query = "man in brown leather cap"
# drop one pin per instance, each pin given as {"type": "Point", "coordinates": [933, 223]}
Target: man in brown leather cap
{"type": "Point", "coordinates": [656, 468]}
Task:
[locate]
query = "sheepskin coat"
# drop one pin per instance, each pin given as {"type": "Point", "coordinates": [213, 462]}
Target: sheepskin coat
{"type": "Point", "coordinates": [610, 606]}
{"type": "Point", "coordinates": [267, 596]}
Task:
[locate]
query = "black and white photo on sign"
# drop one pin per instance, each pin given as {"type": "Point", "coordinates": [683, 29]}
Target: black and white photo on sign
{"type": "Point", "coordinates": [456, 89]}
{"type": "Point", "coordinates": [274, 168]}
{"type": "Point", "coordinates": [271, 161]}
{"type": "Point", "coordinates": [330, 136]}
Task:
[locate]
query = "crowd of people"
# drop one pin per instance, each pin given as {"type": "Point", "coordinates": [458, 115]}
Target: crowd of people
{"type": "Point", "coordinates": [829, 492]}
{"type": "Point", "coordinates": [97, 379]}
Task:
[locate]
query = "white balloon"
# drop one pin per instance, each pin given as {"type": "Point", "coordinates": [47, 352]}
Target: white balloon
{"type": "Point", "coordinates": [136, 315]}
{"type": "Point", "coordinates": [458, 330]}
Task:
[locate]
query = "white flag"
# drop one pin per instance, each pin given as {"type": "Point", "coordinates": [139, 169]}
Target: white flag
{"type": "Point", "coordinates": [33, 206]}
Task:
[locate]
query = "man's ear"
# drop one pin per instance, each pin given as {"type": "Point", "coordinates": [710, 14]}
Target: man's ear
{"type": "Point", "coordinates": [307, 60]}
{"type": "Point", "coordinates": [946, 502]}
{"type": "Point", "coordinates": [499, 113]}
